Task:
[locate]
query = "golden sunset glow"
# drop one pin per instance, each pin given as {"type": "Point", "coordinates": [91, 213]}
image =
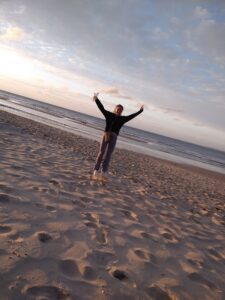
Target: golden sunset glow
{"type": "Point", "coordinates": [15, 65]}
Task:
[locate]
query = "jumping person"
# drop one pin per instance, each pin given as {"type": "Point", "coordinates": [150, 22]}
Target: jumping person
{"type": "Point", "coordinates": [114, 122]}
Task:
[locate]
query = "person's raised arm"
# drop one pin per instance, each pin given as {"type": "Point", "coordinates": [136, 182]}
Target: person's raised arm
{"type": "Point", "coordinates": [99, 104]}
{"type": "Point", "coordinates": [130, 117]}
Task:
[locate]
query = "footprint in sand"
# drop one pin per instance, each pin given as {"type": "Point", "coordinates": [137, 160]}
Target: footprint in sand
{"type": "Point", "coordinates": [170, 237]}
{"type": "Point", "coordinates": [88, 273]}
{"type": "Point", "coordinates": [90, 220]}
{"type": "Point", "coordinates": [145, 235]}
{"type": "Point", "coordinates": [214, 254]}
{"type": "Point", "coordinates": [4, 198]}
{"type": "Point", "coordinates": [90, 224]}
{"type": "Point", "coordinates": [167, 236]}
{"type": "Point", "coordinates": [195, 259]}
{"type": "Point", "coordinates": [54, 182]}
{"type": "Point", "coordinates": [5, 188]}
{"type": "Point", "coordinates": [156, 293]}
{"type": "Point", "coordinates": [69, 268]}
{"type": "Point", "coordinates": [44, 237]}
{"type": "Point", "coordinates": [129, 214]}
{"type": "Point", "coordinates": [50, 208]}
{"type": "Point", "coordinates": [47, 292]}
{"type": "Point", "coordinates": [93, 221]}
{"type": "Point", "coordinates": [196, 262]}
{"type": "Point", "coordinates": [5, 229]}
{"type": "Point", "coordinates": [200, 279]}
{"type": "Point", "coordinates": [78, 204]}
{"type": "Point", "coordinates": [101, 236]}
{"type": "Point", "coordinates": [101, 258]}
{"type": "Point", "coordinates": [141, 254]}
{"type": "Point", "coordinates": [118, 274]}
{"type": "Point", "coordinates": [92, 217]}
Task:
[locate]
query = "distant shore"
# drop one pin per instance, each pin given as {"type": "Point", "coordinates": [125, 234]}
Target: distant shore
{"type": "Point", "coordinates": [154, 231]}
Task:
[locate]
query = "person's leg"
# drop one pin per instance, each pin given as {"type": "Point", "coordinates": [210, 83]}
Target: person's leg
{"type": "Point", "coordinates": [101, 152]}
{"type": "Point", "coordinates": [108, 154]}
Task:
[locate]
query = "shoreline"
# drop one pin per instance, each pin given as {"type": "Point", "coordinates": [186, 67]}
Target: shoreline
{"type": "Point", "coordinates": [67, 139]}
{"type": "Point", "coordinates": [123, 144]}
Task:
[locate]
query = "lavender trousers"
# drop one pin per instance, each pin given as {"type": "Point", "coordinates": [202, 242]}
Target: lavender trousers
{"type": "Point", "coordinates": [105, 152]}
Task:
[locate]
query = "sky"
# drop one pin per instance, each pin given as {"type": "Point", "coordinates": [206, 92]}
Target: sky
{"type": "Point", "coordinates": [167, 54]}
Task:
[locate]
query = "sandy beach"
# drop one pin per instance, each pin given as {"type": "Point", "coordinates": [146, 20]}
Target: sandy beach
{"type": "Point", "coordinates": [156, 230]}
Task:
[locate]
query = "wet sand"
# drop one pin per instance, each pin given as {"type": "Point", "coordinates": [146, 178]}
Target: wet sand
{"type": "Point", "coordinates": [156, 230]}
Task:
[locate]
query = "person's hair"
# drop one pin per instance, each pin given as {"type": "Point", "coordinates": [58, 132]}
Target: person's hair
{"type": "Point", "coordinates": [117, 106]}
{"type": "Point", "coordinates": [120, 106]}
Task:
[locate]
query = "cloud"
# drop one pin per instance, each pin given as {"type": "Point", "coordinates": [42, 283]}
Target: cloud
{"type": "Point", "coordinates": [13, 33]}
{"type": "Point", "coordinates": [114, 92]}
{"type": "Point", "coordinates": [200, 12]}
{"type": "Point", "coordinates": [19, 10]}
{"type": "Point", "coordinates": [208, 38]}
{"type": "Point", "coordinates": [110, 90]}
{"type": "Point", "coordinates": [169, 110]}
{"type": "Point", "coordinates": [175, 21]}
{"type": "Point", "coordinates": [158, 34]}
{"type": "Point", "coordinates": [198, 124]}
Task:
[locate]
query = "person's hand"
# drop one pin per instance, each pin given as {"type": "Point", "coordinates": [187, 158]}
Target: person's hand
{"type": "Point", "coordinates": [142, 107]}
{"type": "Point", "coordinates": [95, 96]}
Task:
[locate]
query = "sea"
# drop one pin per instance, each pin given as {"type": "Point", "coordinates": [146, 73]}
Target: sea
{"type": "Point", "coordinates": [130, 138]}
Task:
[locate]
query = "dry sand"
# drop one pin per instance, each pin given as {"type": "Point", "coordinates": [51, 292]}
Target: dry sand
{"type": "Point", "coordinates": [154, 231]}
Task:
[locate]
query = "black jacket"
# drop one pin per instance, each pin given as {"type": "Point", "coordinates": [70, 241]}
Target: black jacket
{"type": "Point", "coordinates": [114, 122]}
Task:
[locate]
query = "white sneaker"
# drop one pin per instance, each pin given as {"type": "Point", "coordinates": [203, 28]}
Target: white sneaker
{"type": "Point", "coordinates": [95, 173]}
